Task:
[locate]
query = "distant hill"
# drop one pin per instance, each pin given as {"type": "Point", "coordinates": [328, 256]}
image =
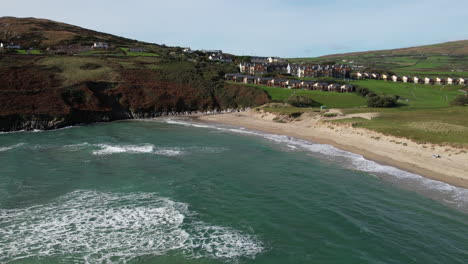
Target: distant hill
{"type": "Point", "coordinates": [445, 59]}
{"type": "Point", "coordinates": [453, 48]}
{"type": "Point", "coordinates": [43, 33]}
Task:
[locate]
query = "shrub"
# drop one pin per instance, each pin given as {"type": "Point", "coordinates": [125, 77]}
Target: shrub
{"type": "Point", "coordinates": [362, 91]}
{"type": "Point", "coordinates": [301, 101]}
{"type": "Point", "coordinates": [460, 100]}
{"type": "Point", "coordinates": [382, 101]}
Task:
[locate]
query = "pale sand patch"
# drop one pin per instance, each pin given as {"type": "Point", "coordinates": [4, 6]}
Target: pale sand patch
{"type": "Point", "coordinates": [397, 152]}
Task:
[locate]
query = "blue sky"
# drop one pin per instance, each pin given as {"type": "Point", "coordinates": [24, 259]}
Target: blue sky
{"type": "Point", "coordinates": [294, 28]}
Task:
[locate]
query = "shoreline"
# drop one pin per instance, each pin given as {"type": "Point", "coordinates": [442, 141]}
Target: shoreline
{"type": "Point", "coordinates": [413, 157]}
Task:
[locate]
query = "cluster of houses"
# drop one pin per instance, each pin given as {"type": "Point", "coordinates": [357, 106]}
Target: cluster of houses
{"type": "Point", "coordinates": [297, 70]}
{"type": "Point", "coordinates": [289, 83]}
{"type": "Point", "coordinates": [213, 55]}
{"type": "Point", "coordinates": [10, 46]}
{"type": "Point", "coordinates": [408, 79]}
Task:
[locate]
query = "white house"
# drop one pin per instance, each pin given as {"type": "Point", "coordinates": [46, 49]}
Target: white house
{"type": "Point", "coordinates": [274, 59]}
{"type": "Point", "coordinates": [384, 77]}
{"type": "Point", "coordinates": [415, 79]}
{"type": "Point", "coordinates": [100, 45]}
{"type": "Point", "coordinates": [359, 75]}
{"type": "Point", "coordinates": [346, 88]}
{"type": "Point", "coordinates": [450, 80]}
{"type": "Point", "coordinates": [318, 86]}
{"type": "Point", "coordinates": [461, 81]}
{"type": "Point", "coordinates": [405, 79]}
{"type": "Point", "coordinates": [292, 69]}
{"type": "Point", "coordinates": [438, 80]}
{"type": "Point", "coordinates": [428, 80]}
{"type": "Point", "coordinates": [333, 87]}
{"type": "Point", "coordinates": [394, 78]}
{"type": "Point", "coordinates": [374, 76]}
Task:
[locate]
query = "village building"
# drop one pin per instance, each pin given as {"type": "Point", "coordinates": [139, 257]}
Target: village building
{"type": "Point", "coordinates": [187, 50]}
{"type": "Point", "coordinates": [384, 77]}
{"type": "Point", "coordinates": [451, 80]}
{"type": "Point", "coordinates": [243, 67]}
{"type": "Point", "coordinates": [306, 71]}
{"type": "Point", "coordinates": [257, 69]}
{"type": "Point", "coordinates": [415, 79]}
{"type": "Point", "coordinates": [333, 87]}
{"type": "Point", "coordinates": [277, 68]}
{"type": "Point", "coordinates": [292, 69]}
{"type": "Point", "coordinates": [374, 76]}
{"type": "Point", "coordinates": [12, 46]}
{"type": "Point", "coordinates": [429, 80]}
{"type": "Point", "coordinates": [258, 59]}
{"type": "Point", "coordinates": [359, 76]}
{"type": "Point", "coordinates": [346, 88]}
{"type": "Point", "coordinates": [100, 45]}
{"type": "Point", "coordinates": [307, 85]}
{"type": "Point", "coordinates": [275, 60]}
{"type": "Point", "coordinates": [295, 84]}
{"type": "Point", "coordinates": [439, 80]}
{"type": "Point", "coordinates": [462, 81]}
{"type": "Point", "coordinates": [263, 80]}
{"type": "Point", "coordinates": [395, 78]}
{"type": "Point", "coordinates": [249, 79]}
{"type": "Point", "coordinates": [405, 79]}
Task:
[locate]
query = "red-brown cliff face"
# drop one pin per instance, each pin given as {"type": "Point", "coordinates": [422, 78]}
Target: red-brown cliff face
{"type": "Point", "coordinates": [33, 96]}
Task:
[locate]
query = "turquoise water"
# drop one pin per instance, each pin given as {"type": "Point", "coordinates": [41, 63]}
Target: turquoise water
{"type": "Point", "coordinates": [171, 191]}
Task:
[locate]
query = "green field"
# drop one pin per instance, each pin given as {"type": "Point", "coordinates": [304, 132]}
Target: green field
{"type": "Point", "coordinates": [31, 52]}
{"type": "Point", "coordinates": [414, 95]}
{"type": "Point", "coordinates": [329, 99]}
{"type": "Point", "coordinates": [73, 69]}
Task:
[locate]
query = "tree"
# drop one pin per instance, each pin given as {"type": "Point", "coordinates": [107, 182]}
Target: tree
{"type": "Point", "coordinates": [460, 100]}
{"type": "Point", "coordinates": [382, 101]}
{"type": "Point", "coordinates": [301, 101]}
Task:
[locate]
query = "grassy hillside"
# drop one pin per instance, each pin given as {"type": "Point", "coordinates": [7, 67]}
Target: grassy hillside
{"type": "Point", "coordinates": [446, 59]}
{"type": "Point", "coordinates": [414, 95]}
{"type": "Point", "coordinates": [329, 99]}
{"type": "Point", "coordinates": [43, 33]}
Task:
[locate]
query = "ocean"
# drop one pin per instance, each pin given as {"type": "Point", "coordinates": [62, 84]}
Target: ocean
{"type": "Point", "coordinates": [177, 191]}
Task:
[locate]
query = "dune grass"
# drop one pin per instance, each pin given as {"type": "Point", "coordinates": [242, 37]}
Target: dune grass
{"type": "Point", "coordinates": [447, 125]}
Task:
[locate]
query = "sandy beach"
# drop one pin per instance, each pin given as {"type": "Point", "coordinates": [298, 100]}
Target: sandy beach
{"type": "Point", "coordinates": [451, 168]}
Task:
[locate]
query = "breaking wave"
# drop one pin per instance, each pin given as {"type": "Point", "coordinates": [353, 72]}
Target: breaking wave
{"type": "Point", "coordinates": [96, 227]}
{"type": "Point", "coordinates": [443, 192]}
{"type": "Point", "coordinates": [2, 149]}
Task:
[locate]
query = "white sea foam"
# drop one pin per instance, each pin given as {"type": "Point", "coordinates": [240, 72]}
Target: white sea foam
{"type": "Point", "coordinates": [109, 149]}
{"type": "Point", "coordinates": [445, 192]}
{"type": "Point", "coordinates": [96, 227]}
{"type": "Point", "coordinates": [2, 149]}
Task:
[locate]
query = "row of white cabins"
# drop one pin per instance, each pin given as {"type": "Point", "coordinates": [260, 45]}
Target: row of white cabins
{"type": "Point", "coordinates": [289, 83]}
{"type": "Point", "coordinates": [414, 79]}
